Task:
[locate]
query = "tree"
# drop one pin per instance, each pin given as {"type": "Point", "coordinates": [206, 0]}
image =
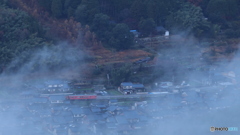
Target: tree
{"type": "Point", "coordinates": [86, 11]}
{"type": "Point", "coordinates": [81, 14]}
{"type": "Point", "coordinates": [70, 7]}
{"type": "Point", "coordinates": [46, 4]}
{"type": "Point", "coordinates": [100, 22]}
{"type": "Point", "coordinates": [138, 9]}
{"type": "Point", "coordinates": [19, 33]}
{"type": "Point", "coordinates": [225, 9]}
{"type": "Point", "coordinates": [121, 38]}
{"type": "Point", "coordinates": [195, 2]}
{"type": "Point", "coordinates": [119, 75]}
{"type": "Point", "coordinates": [146, 26]}
{"type": "Point", "coordinates": [57, 8]}
{"type": "Point", "coordinates": [188, 19]}
{"type": "Point", "coordinates": [101, 26]}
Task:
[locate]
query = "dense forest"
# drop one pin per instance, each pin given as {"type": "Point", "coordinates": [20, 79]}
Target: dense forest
{"type": "Point", "coordinates": [112, 20]}
{"type": "Point", "coordinates": [203, 18]}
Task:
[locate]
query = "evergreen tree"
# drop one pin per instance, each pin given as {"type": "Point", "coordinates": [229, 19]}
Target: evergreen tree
{"type": "Point", "coordinates": [46, 4]}
{"type": "Point", "coordinates": [86, 11]}
{"type": "Point", "coordinates": [57, 8]}
{"type": "Point", "coordinates": [146, 26]}
{"type": "Point", "coordinates": [188, 19]}
{"type": "Point", "coordinates": [101, 26]}
{"type": "Point", "coordinates": [222, 9]}
{"type": "Point", "coordinates": [121, 37]}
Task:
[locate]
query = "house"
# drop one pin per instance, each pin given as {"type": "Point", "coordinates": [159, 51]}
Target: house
{"type": "Point", "coordinates": [77, 112]}
{"type": "Point", "coordinates": [111, 120]}
{"type": "Point", "coordinates": [95, 109]}
{"type": "Point", "coordinates": [78, 129]}
{"type": "Point", "coordinates": [34, 108]}
{"type": "Point", "coordinates": [53, 86]}
{"type": "Point", "coordinates": [160, 30]}
{"type": "Point", "coordinates": [127, 91]}
{"type": "Point", "coordinates": [28, 94]}
{"type": "Point", "coordinates": [59, 130]}
{"type": "Point", "coordinates": [165, 84]}
{"type": "Point", "coordinates": [121, 120]}
{"type": "Point", "coordinates": [39, 100]}
{"type": "Point", "coordinates": [126, 86]}
{"type": "Point", "coordinates": [132, 116]}
{"type": "Point", "coordinates": [56, 109]}
{"type": "Point", "coordinates": [44, 113]}
{"type": "Point", "coordinates": [101, 105]}
{"type": "Point", "coordinates": [111, 125]}
{"type": "Point", "coordinates": [113, 110]}
{"type": "Point", "coordinates": [63, 118]}
{"type": "Point", "coordinates": [135, 33]}
{"type": "Point", "coordinates": [124, 129]}
{"type": "Point", "coordinates": [138, 125]}
{"type": "Point", "coordinates": [138, 88]}
{"type": "Point", "coordinates": [129, 88]}
{"type": "Point", "coordinates": [142, 103]}
{"type": "Point", "coordinates": [81, 84]}
{"type": "Point", "coordinates": [56, 99]}
{"type": "Point", "coordinates": [95, 118]}
{"type": "Point", "coordinates": [87, 110]}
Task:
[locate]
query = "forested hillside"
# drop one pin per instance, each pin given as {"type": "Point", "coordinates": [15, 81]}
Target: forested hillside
{"type": "Point", "coordinates": [203, 18]}
{"type": "Point", "coordinates": [19, 32]}
{"type": "Point", "coordinates": [31, 24]}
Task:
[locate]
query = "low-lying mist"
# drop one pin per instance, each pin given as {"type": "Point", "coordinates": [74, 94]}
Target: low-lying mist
{"type": "Point", "coordinates": [199, 73]}
{"type": "Point", "coordinates": [184, 63]}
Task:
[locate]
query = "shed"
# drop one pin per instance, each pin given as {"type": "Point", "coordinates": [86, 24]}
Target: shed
{"type": "Point", "coordinates": [135, 33]}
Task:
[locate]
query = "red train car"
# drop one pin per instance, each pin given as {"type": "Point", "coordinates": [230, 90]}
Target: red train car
{"type": "Point", "coordinates": [77, 97]}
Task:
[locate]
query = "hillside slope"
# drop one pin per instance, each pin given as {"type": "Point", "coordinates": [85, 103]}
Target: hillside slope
{"type": "Point", "coordinates": [73, 32]}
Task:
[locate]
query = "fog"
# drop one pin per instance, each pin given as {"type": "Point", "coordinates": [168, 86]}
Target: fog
{"type": "Point", "coordinates": [183, 58]}
{"type": "Point", "coordinates": [60, 61]}
{"type": "Point", "coordinates": [188, 57]}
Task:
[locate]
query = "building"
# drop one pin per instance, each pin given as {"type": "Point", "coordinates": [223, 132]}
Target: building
{"type": "Point", "coordinates": [129, 88]}
{"type": "Point", "coordinates": [53, 99]}
{"type": "Point", "coordinates": [39, 100]}
{"type": "Point", "coordinates": [135, 33]}
{"type": "Point", "coordinates": [138, 88]}
{"type": "Point", "coordinates": [77, 112]}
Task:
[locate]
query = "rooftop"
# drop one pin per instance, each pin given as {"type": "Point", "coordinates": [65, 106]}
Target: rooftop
{"type": "Point", "coordinates": [57, 97]}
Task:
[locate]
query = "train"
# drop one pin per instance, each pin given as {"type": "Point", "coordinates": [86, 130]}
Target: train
{"type": "Point", "coordinates": [77, 97]}
{"type": "Point", "coordinates": [71, 96]}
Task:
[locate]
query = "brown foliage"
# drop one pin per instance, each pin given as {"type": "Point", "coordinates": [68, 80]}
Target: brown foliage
{"type": "Point", "coordinates": [73, 32]}
{"type": "Point", "coordinates": [67, 29]}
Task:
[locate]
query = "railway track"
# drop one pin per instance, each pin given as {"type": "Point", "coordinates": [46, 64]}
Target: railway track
{"type": "Point", "coordinates": [115, 96]}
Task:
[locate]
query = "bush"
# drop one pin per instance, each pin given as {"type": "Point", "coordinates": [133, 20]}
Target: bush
{"type": "Point", "coordinates": [120, 74]}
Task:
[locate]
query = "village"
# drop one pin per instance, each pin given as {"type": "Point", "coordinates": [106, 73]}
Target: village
{"type": "Point", "coordinates": [89, 107]}
{"type": "Point", "coordinates": [129, 109]}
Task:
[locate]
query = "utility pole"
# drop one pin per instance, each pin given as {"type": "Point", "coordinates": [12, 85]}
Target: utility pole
{"type": "Point", "coordinates": [108, 78]}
